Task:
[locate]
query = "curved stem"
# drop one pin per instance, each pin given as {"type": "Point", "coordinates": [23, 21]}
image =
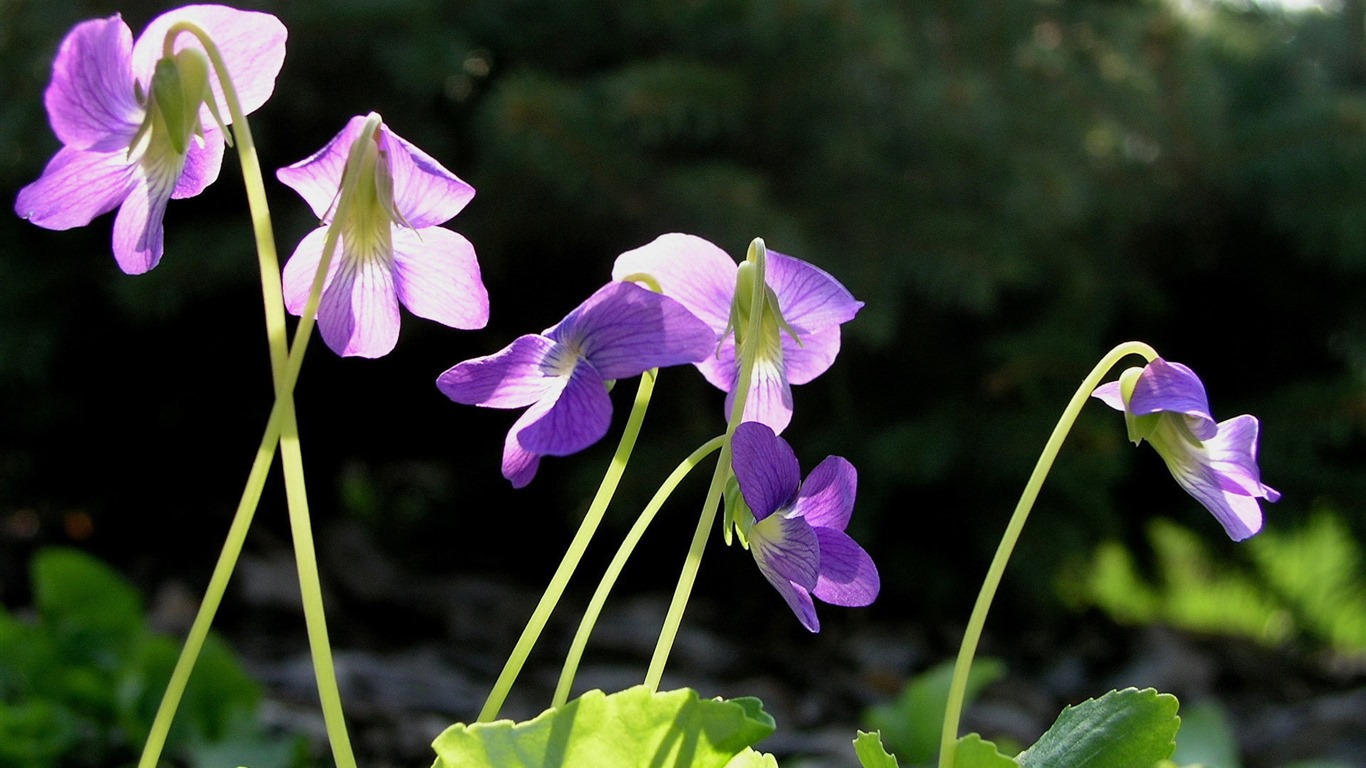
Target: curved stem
{"type": "Point", "coordinates": [609, 577]}
{"type": "Point", "coordinates": [532, 632]}
{"type": "Point", "coordinates": [958, 687]}
{"type": "Point", "coordinates": [688, 576]}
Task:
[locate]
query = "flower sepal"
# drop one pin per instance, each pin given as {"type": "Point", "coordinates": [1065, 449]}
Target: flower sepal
{"type": "Point", "coordinates": [736, 516]}
{"type": "Point", "coordinates": [180, 86]}
{"type": "Point", "coordinates": [1140, 428]}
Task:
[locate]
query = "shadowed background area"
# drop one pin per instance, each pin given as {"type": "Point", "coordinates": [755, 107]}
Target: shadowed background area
{"type": "Point", "coordinates": [1012, 188]}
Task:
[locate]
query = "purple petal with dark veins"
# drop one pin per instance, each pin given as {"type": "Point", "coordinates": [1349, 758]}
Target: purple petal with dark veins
{"type": "Point", "coordinates": [765, 467]}
{"type": "Point", "coordinates": [847, 574]}
{"type": "Point", "coordinates": [425, 193]}
{"type": "Point", "coordinates": [76, 186]}
{"type": "Point", "coordinates": [317, 178]}
{"type": "Point", "coordinates": [437, 277]}
{"type": "Point", "coordinates": [810, 298]}
{"type": "Point", "coordinates": [1173, 388]}
{"type": "Point", "coordinates": [696, 273]}
{"type": "Point", "coordinates": [624, 330]}
{"type": "Point", "coordinates": [90, 101]}
{"type": "Point", "coordinates": [513, 377]}
{"type": "Point", "coordinates": [826, 498]}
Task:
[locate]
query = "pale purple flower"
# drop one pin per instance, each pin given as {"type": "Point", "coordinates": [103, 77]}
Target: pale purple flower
{"type": "Point", "coordinates": [390, 249]}
{"type": "Point", "coordinates": [703, 278]}
{"type": "Point", "coordinates": [797, 531]}
{"type": "Point", "coordinates": [621, 331]}
{"type": "Point", "coordinates": [117, 148]}
{"type": "Point", "coordinates": [1165, 404]}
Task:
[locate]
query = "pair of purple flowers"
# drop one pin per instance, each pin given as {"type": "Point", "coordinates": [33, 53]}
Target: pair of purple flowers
{"type": "Point", "coordinates": [140, 127]}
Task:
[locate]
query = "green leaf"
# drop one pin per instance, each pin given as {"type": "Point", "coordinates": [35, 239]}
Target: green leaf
{"type": "Point", "coordinates": [973, 752]}
{"type": "Point", "coordinates": [871, 754]}
{"type": "Point", "coordinates": [911, 725]}
{"type": "Point", "coordinates": [633, 727]}
{"type": "Point", "coordinates": [752, 759]}
{"type": "Point", "coordinates": [92, 611]}
{"type": "Point", "coordinates": [1122, 729]}
{"type": "Point", "coordinates": [1206, 738]}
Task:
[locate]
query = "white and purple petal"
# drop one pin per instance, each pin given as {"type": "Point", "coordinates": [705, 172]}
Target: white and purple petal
{"type": "Point", "coordinates": [788, 555]}
{"type": "Point", "coordinates": [624, 330]}
{"type": "Point", "coordinates": [826, 498]}
{"type": "Point", "coordinates": [1220, 473]}
{"type": "Point", "coordinates": [76, 186]}
{"type": "Point", "coordinates": [765, 467]}
{"type": "Point", "coordinates": [809, 297]}
{"type": "Point", "coordinates": [317, 178]}
{"type": "Point", "coordinates": [203, 160]}
{"type": "Point", "coordinates": [579, 416]}
{"type": "Point", "coordinates": [358, 314]}
{"type": "Point", "coordinates": [813, 356]}
{"type": "Point", "coordinates": [693, 271]}
{"type": "Point", "coordinates": [138, 233]}
{"type": "Point", "coordinates": [90, 101]}
{"type": "Point", "coordinates": [425, 193]}
{"type": "Point", "coordinates": [514, 377]}
{"type": "Point", "coordinates": [1173, 388]}
{"type": "Point", "coordinates": [252, 45]}
{"type": "Point", "coordinates": [769, 400]}
{"type": "Point", "coordinates": [437, 277]}
{"type": "Point", "coordinates": [848, 576]}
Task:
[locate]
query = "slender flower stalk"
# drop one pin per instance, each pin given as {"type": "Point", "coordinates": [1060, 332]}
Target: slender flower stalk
{"type": "Point", "coordinates": [953, 710]}
{"type": "Point", "coordinates": [756, 260]}
{"type": "Point", "coordinates": [609, 577]}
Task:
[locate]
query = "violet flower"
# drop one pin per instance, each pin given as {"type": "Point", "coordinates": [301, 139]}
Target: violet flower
{"type": "Point", "coordinates": [390, 249]}
{"type": "Point", "coordinates": [1165, 404]}
{"type": "Point", "coordinates": [796, 531]}
{"type": "Point", "coordinates": [622, 330]}
{"type": "Point", "coordinates": [138, 129]}
{"type": "Point", "coordinates": [794, 347]}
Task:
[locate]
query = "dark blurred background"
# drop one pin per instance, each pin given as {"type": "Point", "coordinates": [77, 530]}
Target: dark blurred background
{"type": "Point", "coordinates": [1012, 188]}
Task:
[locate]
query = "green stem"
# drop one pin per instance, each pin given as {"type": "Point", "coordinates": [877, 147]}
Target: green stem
{"type": "Point", "coordinates": [532, 632]}
{"type": "Point", "coordinates": [284, 426]}
{"type": "Point", "coordinates": [686, 578]}
{"type": "Point", "coordinates": [609, 578]}
{"type": "Point", "coordinates": [958, 687]}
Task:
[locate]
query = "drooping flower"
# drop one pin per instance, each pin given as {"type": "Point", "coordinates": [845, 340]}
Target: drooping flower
{"type": "Point", "coordinates": [139, 128]}
{"type": "Point", "coordinates": [1165, 404]}
{"type": "Point", "coordinates": [622, 330]}
{"type": "Point", "coordinates": [795, 528]}
{"type": "Point", "coordinates": [794, 347]}
{"type": "Point", "coordinates": [391, 249]}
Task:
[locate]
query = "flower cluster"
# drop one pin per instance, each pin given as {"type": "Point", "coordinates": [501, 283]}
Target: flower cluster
{"type": "Point", "coordinates": [1165, 404]}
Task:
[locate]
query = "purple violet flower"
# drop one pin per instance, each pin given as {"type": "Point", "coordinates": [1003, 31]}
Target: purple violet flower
{"type": "Point", "coordinates": [812, 304]}
{"type": "Point", "coordinates": [796, 532]}
{"type": "Point", "coordinates": [390, 250]}
{"type": "Point", "coordinates": [1165, 404]}
{"type": "Point", "coordinates": [621, 331]}
{"type": "Point", "coordinates": [138, 129]}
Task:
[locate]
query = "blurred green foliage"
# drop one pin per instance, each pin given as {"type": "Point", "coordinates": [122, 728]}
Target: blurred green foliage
{"type": "Point", "coordinates": [1011, 187]}
{"type": "Point", "coordinates": [80, 681]}
{"type": "Point", "coordinates": [910, 726]}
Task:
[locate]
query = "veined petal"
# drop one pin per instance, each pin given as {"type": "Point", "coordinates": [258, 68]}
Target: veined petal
{"type": "Point", "coordinates": [514, 377]}
{"type": "Point", "coordinates": [1221, 486]}
{"type": "Point", "coordinates": [765, 467]}
{"type": "Point", "coordinates": [90, 101]}
{"type": "Point", "coordinates": [847, 574]}
{"type": "Point", "coordinates": [1173, 388]}
{"type": "Point", "coordinates": [624, 330]}
{"type": "Point", "coordinates": [809, 297]}
{"type": "Point", "coordinates": [578, 417]}
{"type": "Point", "coordinates": [425, 193]}
{"type": "Point", "coordinates": [302, 266]}
{"type": "Point", "coordinates": [719, 368]}
{"type": "Point", "coordinates": [252, 44]}
{"type": "Point", "coordinates": [519, 464]}
{"type": "Point", "coordinates": [1233, 456]}
{"type": "Point", "coordinates": [138, 233]}
{"type": "Point", "coordinates": [786, 549]}
{"type": "Point", "coordinates": [770, 398]}
{"type": "Point", "coordinates": [826, 498]}
{"type": "Point", "coordinates": [76, 186]}
{"type": "Point", "coordinates": [358, 314]}
{"type": "Point", "coordinates": [317, 178]}
{"type": "Point", "coordinates": [203, 159]}
{"type": "Point", "coordinates": [437, 277]}
{"type": "Point", "coordinates": [696, 273]}
{"type": "Point", "coordinates": [813, 356]}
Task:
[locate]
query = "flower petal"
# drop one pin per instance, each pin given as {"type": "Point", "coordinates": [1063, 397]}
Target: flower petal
{"type": "Point", "coordinates": [826, 498]}
{"type": "Point", "coordinates": [437, 277]}
{"type": "Point", "coordinates": [813, 356]}
{"type": "Point", "coordinates": [138, 233]}
{"type": "Point", "coordinates": [578, 417]}
{"type": "Point", "coordinates": [765, 467]}
{"type": "Point", "coordinates": [770, 398]}
{"type": "Point", "coordinates": [252, 45]}
{"type": "Point", "coordinates": [203, 159]}
{"type": "Point", "coordinates": [786, 549]}
{"type": "Point", "coordinates": [90, 101]}
{"type": "Point", "coordinates": [1110, 394]}
{"type": "Point", "coordinates": [691, 270]}
{"type": "Point", "coordinates": [358, 314]}
{"type": "Point", "coordinates": [847, 575]}
{"type": "Point", "coordinates": [519, 464]}
{"type": "Point", "coordinates": [513, 377]}
{"type": "Point", "coordinates": [1220, 473]}
{"type": "Point", "coordinates": [302, 266]}
{"type": "Point", "coordinates": [624, 330]}
{"type": "Point", "coordinates": [1173, 388]}
{"type": "Point", "coordinates": [76, 186]}
{"type": "Point", "coordinates": [809, 297]}
{"type": "Point", "coordinates": [317, 178]}
{"type": "Point", "coordinates": [1233, 455]}
{"type": "Point", "coordinates": [425, 193]}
